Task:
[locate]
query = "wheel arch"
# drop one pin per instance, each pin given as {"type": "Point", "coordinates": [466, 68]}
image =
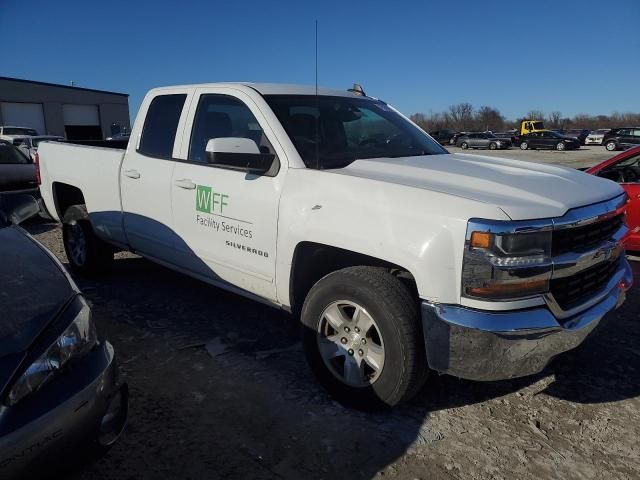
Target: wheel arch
{"type": "Point", "coordinates": [64, 196]}
{"type": "Point", "coordinates": [312, 261]}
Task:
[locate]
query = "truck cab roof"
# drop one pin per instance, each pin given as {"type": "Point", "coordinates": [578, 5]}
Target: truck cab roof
{"type": "Point", "coordinates": [270, 88]}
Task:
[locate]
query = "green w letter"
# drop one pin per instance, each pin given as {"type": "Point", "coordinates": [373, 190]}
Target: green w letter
{"type": "Point", "coordinates": [203, 199]}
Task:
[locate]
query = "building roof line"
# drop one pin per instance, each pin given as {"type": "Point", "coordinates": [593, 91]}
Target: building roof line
{"type": "Point", "coordinates": [63, 86]}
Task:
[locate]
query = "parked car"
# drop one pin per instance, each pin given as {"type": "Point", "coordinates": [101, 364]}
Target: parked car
{"type": "Point", "coordinates": [16, 134]}
{"type": "Point", "coordinates": [620, 138]}
{"type": "Point", "coordinates": [548, 139]}
{"type": "Point", "coordinates": [625, 170]}
{"type": "Point", "coordinates": [249, 195]}
{"type": "Point", "coordinates": [596, 137]}
{"type": "Point", "coordinates": [59, 384]}
{"type": "Point", "coordinates": [456, 136]}
{"type": "Point", "coordinates": [442, 136]}
{"type": "Point", "coordinates": [483, 140]}
{"type": "Point", "coordinates": [29, 145]}
{"type": "Point", "coordinates": [17, 171]}
{"type": "Point", "coordinates": [580, 134]}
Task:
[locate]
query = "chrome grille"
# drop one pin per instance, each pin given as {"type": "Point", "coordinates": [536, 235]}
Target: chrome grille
{"type": "Point", "coordinates": [585, 237]}
{"type": "Point", "coordinates": [571, 291]}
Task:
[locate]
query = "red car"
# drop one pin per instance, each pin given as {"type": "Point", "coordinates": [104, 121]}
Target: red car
{"type": "Point", "coordinates": [625, 169]}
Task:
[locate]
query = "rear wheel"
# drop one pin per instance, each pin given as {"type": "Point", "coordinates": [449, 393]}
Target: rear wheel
{"type": "Point", "coordinates": [87, 254]}
{"type": "Point", "coordinates": [493, 146]}
{"type": "Point", "coordinates": [560, 146]}
{"type": "Point", "coordinates": [524, 146]}
{"type": "Point", "coordinates": [464, 145]}
{"type": "Point", "coordinates": [611, 146]}
{"type": "Point", "coordinates": [362, 337]}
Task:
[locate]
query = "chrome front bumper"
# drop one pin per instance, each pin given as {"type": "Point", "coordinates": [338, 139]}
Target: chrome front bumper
{"type": "Point", "coordinates": [486, 345]}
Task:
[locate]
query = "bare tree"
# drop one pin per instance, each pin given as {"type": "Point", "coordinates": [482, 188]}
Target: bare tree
{"type": "Point", "coordinates": [489, 118]}
{"type": "Point", "coordinates": [461, 116]}
{"type": "Point", "coordinates": [535, 115]}
{"type": "Point", "coordinates": [554, 119]}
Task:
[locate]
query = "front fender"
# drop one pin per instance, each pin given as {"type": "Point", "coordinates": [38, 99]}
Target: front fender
{"type": "Point", "coordinates": [419, 230]}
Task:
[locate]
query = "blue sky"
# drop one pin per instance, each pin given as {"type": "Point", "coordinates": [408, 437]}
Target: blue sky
{"type": "Point", "coordinates": [571, 56]}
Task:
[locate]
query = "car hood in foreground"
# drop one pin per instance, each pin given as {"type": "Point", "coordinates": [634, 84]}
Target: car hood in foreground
{"type": "Point", "coordinates": [523, 190]}
{"type": "Point", "coordinates": [33, 290]}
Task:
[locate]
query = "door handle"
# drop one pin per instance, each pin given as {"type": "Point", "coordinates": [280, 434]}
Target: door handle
{"type": "Point", "coordinates": [131, 174]}
{"type": "Point", "coordinates": [186, 184]}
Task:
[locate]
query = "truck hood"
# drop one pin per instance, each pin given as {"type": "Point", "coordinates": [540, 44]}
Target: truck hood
{"type": "Point", "coordinates": [523, 190]}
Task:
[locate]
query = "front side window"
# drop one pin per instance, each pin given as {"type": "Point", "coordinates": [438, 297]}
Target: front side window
{"type": "Point", "coordinates": [223, 116]}
{"type": "Point", "coordinates": [160, 125]}
{"type": "Point", "coordinates": [332, 132]}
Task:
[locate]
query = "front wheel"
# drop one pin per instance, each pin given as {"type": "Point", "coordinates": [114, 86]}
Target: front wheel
{"type": "Point", "coordinates": [493, 146]}
{"type": "Point", "coordinates": [524, 146]}
{"type": "Point", "coordinates": [362, 337]}
{"type": "Point", "coordinates": [464, 145]}
{"type": "Point", "coordinates": [87, 254]}
{"type": "Point", "coordinates": [560, 146]}
{"type": "Point", "coordinates": [611, 146]}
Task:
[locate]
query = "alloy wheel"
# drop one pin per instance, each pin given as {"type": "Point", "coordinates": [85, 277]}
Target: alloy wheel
{"type": "Point", "coordinates": [77, 243]}
{"type": "Point", "coordinates": [350, 344]}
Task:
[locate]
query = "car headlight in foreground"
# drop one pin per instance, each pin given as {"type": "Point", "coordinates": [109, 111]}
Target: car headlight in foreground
{"type": "Point", "coordinates": [503, 262]}
{"type": "Point", "coordinates": [78, 338]}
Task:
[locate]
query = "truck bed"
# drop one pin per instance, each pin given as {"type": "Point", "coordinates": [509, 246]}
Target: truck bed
{"type": "Point", "coordinates": [95, 171]}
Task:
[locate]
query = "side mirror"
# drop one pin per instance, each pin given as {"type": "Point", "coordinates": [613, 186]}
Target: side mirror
{"type": "Point", "coordinates": [238, 153]}
{"type": "Point", "coordinates": [18, 208]}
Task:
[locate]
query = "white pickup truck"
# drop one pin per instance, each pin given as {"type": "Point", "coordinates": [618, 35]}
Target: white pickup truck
{"type": "Point", "coordinates": [398, 257]}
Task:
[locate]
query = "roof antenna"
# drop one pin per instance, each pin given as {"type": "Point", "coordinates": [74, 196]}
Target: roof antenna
{"type": "Point", "coordinates": [317, 105]}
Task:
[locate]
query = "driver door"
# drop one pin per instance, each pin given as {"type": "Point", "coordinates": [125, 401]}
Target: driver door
{"type": "Point", "coordinates": [227, 219]}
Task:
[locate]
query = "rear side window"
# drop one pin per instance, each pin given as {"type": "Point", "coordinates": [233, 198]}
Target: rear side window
{"type": "Point", "coordinates": [160, 125]}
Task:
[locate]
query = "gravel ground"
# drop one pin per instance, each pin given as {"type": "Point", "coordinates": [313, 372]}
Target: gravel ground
{"type": "Point", "coordinates": [586, 156]}
{"type": "Point", "coordinates": [247, 406]}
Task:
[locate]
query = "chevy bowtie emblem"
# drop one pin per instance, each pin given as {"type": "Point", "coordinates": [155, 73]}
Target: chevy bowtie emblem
{"type": "Point", "coordinates": [608, 252]}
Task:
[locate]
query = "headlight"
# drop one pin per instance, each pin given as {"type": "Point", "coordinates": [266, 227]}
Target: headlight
{"type": "Point", "coordinates": [77, 339]}
{"type": "Point", "coordinates": [504, 262]}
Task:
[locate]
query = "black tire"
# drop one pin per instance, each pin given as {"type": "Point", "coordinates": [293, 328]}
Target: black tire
{"type": "Point", "coordinates": [395, 310]}
{"type": "Point", "coordinates": [560, 146]}
{"type": "Point", "coordinates": [493, 146]}
{"type": "Point", "coordinates": [611, 145]}
{"type": "Point", "coordinates": [524, 145]}
{"type": "Point", "coordinates": [464, 145]}
{"type": "Point", "coordinates": [98, 255]}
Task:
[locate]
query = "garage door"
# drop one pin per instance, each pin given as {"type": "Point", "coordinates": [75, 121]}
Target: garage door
{"type": "Point", "coordinates": [81, 122]}
{"type": "Point", "coordinates": [23, 115]}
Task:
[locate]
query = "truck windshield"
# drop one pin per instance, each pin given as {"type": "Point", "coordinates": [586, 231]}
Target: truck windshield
{"type": "Point", "coordinates": [332, 132]}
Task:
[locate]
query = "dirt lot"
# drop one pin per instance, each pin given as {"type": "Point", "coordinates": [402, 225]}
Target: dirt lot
{"type": "Point", "coordinates": [250, 409]}
{"type": "Point", "coordinates": [586, 156]}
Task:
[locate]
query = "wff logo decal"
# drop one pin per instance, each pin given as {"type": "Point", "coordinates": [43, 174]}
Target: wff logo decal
{"type": "Point", "coordinates": [210, 201]}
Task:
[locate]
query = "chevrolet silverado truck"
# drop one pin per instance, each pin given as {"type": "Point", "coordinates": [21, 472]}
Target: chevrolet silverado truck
{"type": "Point", "coordinates": [398, 257]}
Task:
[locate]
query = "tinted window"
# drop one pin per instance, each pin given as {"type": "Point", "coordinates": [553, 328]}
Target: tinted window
{"type": "Point", "coordinates": [636, 132]}
{"type": "Point", "coordinates": [10, 154]}
{"type": "Point", "coordinates": [161, 124]}
{"type": "Point", "coordinates": [223, 116]}
{"type": "Point", "coordinates": [19, 131]}
{"type": "Point", "coordinates": [332, 132]}
{"type": "Point", "coordinates": [624, 131]}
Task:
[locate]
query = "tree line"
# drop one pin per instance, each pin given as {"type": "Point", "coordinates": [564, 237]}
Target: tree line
{"type": "Point", "coordinates": [463, 117]}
